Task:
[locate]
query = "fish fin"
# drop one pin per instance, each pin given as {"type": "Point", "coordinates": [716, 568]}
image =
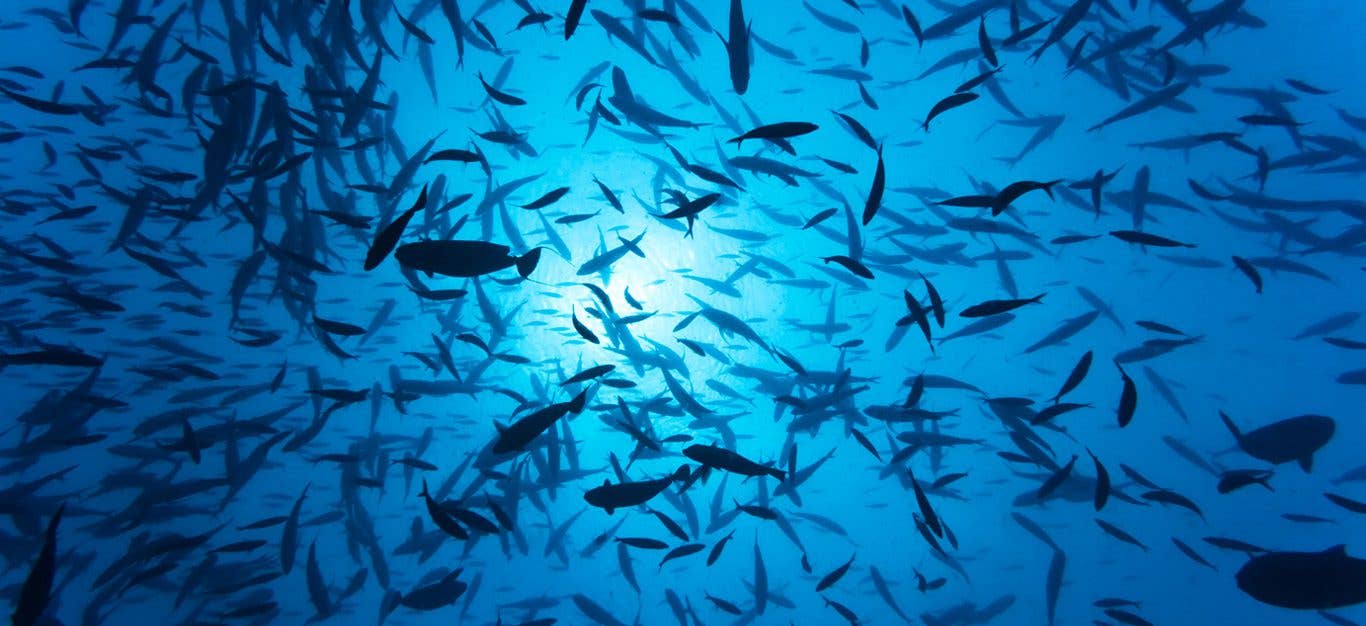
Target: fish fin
{"type": "Point", "coordinates": [1233, 428]}
{"type": "Point", "coordinates": [576, 405]}
{"type": "Point", "coordinates": [1307, 463]}
{"type": "Point", "coordinates": [527, 262]}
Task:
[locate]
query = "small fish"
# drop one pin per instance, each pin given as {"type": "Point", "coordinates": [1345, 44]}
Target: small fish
{"type": "Point", "coordinates": [780, 130]}
{"type": "Point", "coordinates": [549, 198]}
{"type": "Point", "coordinates": [947, 104]}
{"type": "Point", "coordinates": [989, 308]}
{"type": "Point", "coordinates": [388, 237]}
{"type": "Point", "coordinates": [874, 201]}
{"type": "Point", "coordinates": [819, 217]}
{"type": "Point", "coordinates": [1248, 270]}
{"type": "Point", "coordinates": [1148, 239]}
{"type": "Point", "coordinates": [852, 265]}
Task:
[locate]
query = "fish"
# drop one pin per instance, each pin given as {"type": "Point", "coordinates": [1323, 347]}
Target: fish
{"type": "Point", "coordinates": [714, 457]}
{"type": "Point", "coordinates": [1148, 239]}
{"type": "Point", "coordinates": [388, 237]}
{"type": "Point", "coordinates": [549, 198]}
{"type": "Point", "coordinates": [464, 258]}
{"type": "Point", "coordinates": [609, 257]}
{"type": "Point", "coordinates": [1128, 398]}
{"type": "Point", "coordinates": [36, 593]}
{"type": "Point", "coordinates": [737, 47]}
{"type": "Point", "coordinates": [778, 131]}
{"type": "Point", "coordinates": [572, 17]}
{"type": "Point", "coordinates": [1054, 582]}
{"type": "Point", "coordinates": [1232, 480]}
{"type": "Point", "coordinates": [834, 576]}
{"type": "Point", "coordinates": [519, 434]}
{"type": "Point", "coordinates": [990, 308]}
{"type": "Point", "coordinates": [854, 266]}
{"type": "Point", "coordinates": [1248, 270]}
{"type": "Point", "coordinates": [444, 592]}
{"type": "Point", "coordinates": [237, 262]}
{"type": "Point", "coordinates": [1147, 103]}
{"type": "Point", "coordinates": [1291, 439]}
{"type": "Point", "coordinates": [947, 104]}
{"type": "Point", "coordinates": [610, 497]}
{"type": "Point", "coordinates": [1076, 376]}
{"type": "Point", "coordinates": [1305, 580]}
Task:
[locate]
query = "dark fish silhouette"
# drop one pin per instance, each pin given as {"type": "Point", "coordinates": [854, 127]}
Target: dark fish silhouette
{"type": "Point", "coordinates": [781, 130]}
{"type": "Point", "coordinates": [714, 457]}
{"type": "Point", "coordinates": [1305, 580]}
{"type": "Point", "coordinates": [463, 258]}
{"type": "Point", "coordinates": [947, 104]}
{"type": "Point", "coordinates": [1292, 439]}
{"type": "Point", "coordinates": [737, 47]}
{"type": "Point", "coordinates": [36, 593]}
{"type": "Point", "coordinates": [998, 307]}
{"type": "Point", "coordinates": [519, 434]}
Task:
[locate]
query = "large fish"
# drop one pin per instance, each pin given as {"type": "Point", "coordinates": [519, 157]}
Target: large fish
{"type": "Point", "coordinates": [1292, 439]}
{"type": "Point", "coordinates": [464, 258]}
{"type": "Point", "coordinates": [610, 497]}
{"type": "Point", "coordinates": [1305, 580]}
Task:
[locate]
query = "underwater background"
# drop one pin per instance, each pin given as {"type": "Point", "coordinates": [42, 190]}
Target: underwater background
{"type": "Point", "coordinates": [927, 357]}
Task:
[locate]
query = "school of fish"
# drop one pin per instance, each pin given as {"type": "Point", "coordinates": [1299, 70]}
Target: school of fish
{"type": "Point", "coordinates": [943, 312]}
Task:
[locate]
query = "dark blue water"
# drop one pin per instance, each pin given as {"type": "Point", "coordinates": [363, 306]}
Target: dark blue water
{"type": "Point", "coordinates": [240, 423]}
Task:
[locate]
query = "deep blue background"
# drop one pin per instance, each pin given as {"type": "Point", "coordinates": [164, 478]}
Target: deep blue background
{"type": "Point", "coordinates": [1247, 363]}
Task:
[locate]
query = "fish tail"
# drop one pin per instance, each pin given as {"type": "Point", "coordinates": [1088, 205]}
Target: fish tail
{"type": "Point", "coordinates": [576, 405]}
{"type": "Point", "coordinates": [527, 262]}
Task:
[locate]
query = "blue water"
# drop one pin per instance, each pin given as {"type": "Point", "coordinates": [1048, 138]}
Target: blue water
{"type": "Point", "coordinates": [169, 222]}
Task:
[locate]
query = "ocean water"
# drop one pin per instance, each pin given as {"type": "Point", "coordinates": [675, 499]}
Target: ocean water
{"type": "Point", "coordinates": [859, 366]}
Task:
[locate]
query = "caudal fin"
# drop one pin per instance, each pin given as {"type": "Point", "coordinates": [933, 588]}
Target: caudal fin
{"type": "Point", "coordinates": [527, 262]}
{"type": "Point", "coordinates": [576, 405]}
